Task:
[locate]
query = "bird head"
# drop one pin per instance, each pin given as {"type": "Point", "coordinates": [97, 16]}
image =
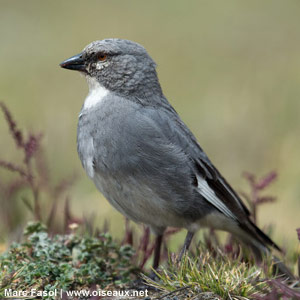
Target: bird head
{"type": "Point", "coordinates": [121, 66]}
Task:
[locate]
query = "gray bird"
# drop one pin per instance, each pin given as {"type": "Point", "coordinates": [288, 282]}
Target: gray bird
{"type": "Point", "coordinates": [143, 158]}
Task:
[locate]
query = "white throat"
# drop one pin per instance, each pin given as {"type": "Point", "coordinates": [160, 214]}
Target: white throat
{"type": "Point", "coordinates": [96, 93]}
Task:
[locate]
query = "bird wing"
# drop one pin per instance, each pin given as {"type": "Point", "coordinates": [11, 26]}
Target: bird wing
{"type": "Point", "coordinates": [212, 185]}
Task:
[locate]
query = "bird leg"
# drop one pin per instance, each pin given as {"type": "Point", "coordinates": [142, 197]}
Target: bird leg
{"type": "Point", "coordinates": [158, 242]}
{"type": "Point", "coordinates": [186, 245]}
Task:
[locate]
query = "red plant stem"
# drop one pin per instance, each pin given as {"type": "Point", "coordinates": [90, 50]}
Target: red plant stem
{"type": "Point", "coordinates": [52, 214]}
{"type": "Point", "coordinates": [16, 133]}
{"type": "Point", "coordinates": [147, 255]}
{"type": "Point", "coordinates": [35, 192]}
{"type": "Point", "coordinates": [37, 209]}
{"type": "Point", "coordinates": [14, 168]}
{"type": "Point", "coordinates": [128, 236]}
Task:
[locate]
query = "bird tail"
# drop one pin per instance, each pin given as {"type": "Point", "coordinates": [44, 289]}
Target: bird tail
{"type": "Point", "coordinates": [260, 244]}
{"type": "Point", "coordinates": [259, 235]}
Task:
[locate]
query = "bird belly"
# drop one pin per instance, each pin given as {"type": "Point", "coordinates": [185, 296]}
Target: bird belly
{"type": "Point", "coordinates": [137, 202]}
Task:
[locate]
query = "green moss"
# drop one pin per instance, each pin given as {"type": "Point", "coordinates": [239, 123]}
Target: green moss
{"type": "Point", "coordinates": [64, 262]}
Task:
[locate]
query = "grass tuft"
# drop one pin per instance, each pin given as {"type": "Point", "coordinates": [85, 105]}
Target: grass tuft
{"type": "Point", "coordinates": [217, 274]}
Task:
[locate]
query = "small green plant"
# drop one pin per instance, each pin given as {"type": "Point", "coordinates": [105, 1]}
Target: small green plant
{"type": "Point", "coordinates": [64, 262]}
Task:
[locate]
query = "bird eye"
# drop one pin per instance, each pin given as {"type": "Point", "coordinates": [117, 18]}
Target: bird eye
{"type": "Point", "coordinates": [102, 57]}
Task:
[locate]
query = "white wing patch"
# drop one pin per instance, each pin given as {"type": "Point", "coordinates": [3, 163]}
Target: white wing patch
{"type": "Point", "coordinates": [233, 196]}
{"type": "Point", "coordinates": [96, 93]}
{"type": "Point", "coordinates": [210, 196]}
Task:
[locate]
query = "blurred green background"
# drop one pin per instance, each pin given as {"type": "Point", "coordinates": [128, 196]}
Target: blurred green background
{"type": "Point", "coordinates": [230, 68]}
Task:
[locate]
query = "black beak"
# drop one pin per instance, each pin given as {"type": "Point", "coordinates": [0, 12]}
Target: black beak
{"type": "Point", "coordinates": [75, 62]}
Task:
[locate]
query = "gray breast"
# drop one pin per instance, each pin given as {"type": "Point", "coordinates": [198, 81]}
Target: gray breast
{"type": "Point", "coordinates": [100, 139]}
